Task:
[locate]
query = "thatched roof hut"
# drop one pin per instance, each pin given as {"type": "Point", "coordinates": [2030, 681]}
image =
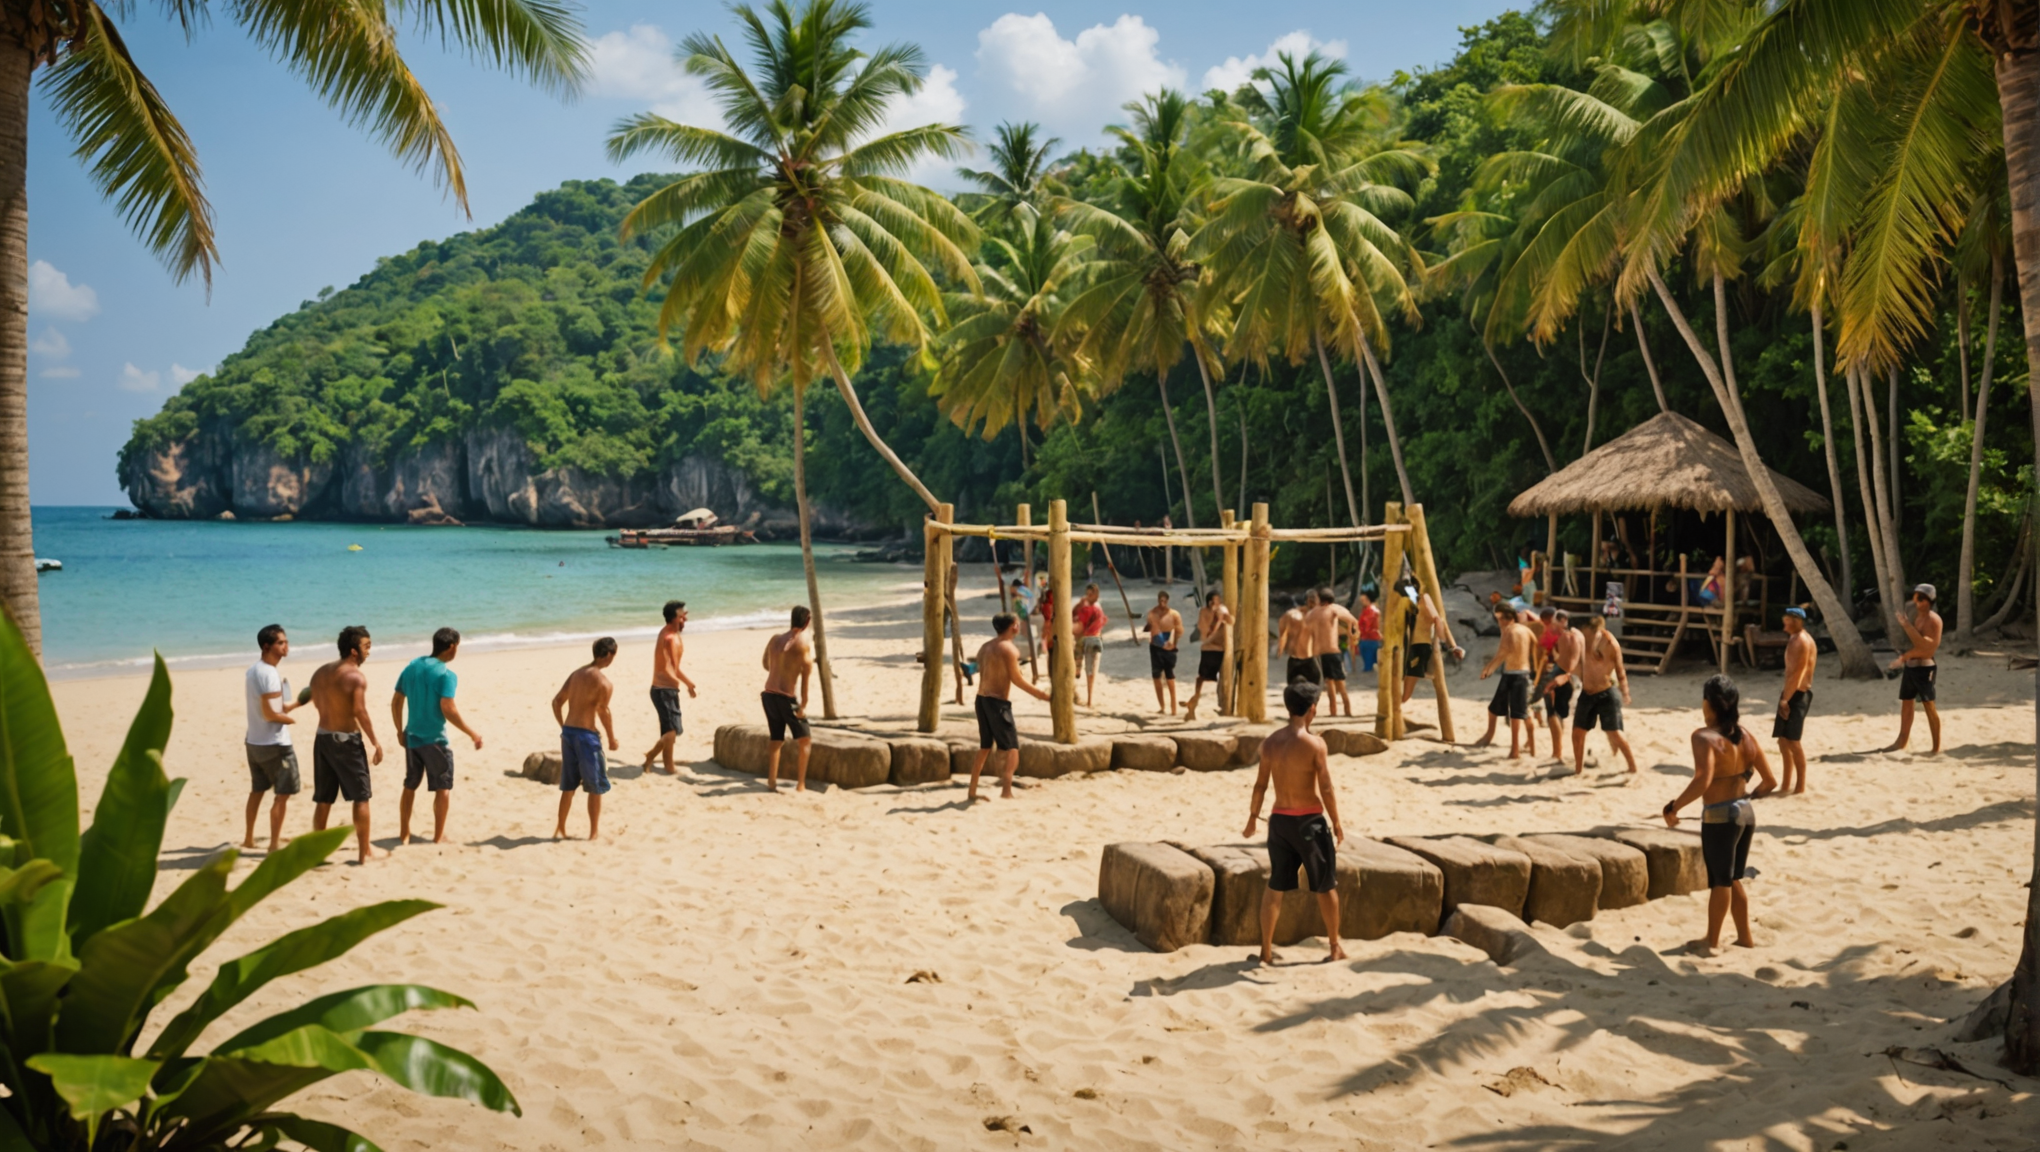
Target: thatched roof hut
{"type": "Point", "coordinates": [1668, 461]}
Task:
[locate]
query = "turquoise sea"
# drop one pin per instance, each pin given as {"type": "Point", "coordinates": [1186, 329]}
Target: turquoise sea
{"type": "Point", "coordinates": [197, 591]}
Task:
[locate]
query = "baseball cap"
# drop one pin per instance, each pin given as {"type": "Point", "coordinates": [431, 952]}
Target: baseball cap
{"type": "Point", "coordinates": [1799, 612]}
{"type": "Point", "coordinates": [1926, 590]}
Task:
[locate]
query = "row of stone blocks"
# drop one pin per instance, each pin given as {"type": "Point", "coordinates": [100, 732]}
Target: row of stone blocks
{"type": "Point", "coordinates": [855, 760]}
{"type": "Point", "coordinates": [1170, 895]}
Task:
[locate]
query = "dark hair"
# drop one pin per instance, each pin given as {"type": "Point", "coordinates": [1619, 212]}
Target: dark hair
{"type": "Point", "coordinates": [444, 639]}
{"type": "Point", "coordinates": [674, 608]}
{"type": "Point", "coordinates": [801, 615]}
{"type": "Point", "coordinates": [1162, 595]}
{"type": "Point", "coordinates": [1003, 621]}
{"type": "Point", "coordinates": [1212, 597]}
{"type": "Point", "coordinates": [1546, 612]}
{"type": "Point", "coordinates": [1090, 587]}
{"type": "Point", "coordinates": [267, 638]}
{"type": "Point", "coordinates": [1300, 696]}
{"type": "Point", "coordinates": [1725, 698]}
{"type": "Point", "coordinates": [1324, 595]}
{"type": "Point", "coordinates": [350, 640]}
{"type": "Point", "coordinates": [605, 647]}
{"type": "Point", "coordinates": [1369, 594]}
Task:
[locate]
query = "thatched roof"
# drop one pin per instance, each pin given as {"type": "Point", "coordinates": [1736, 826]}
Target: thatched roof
{"type": "Point", "coordinates": [1667, 461]}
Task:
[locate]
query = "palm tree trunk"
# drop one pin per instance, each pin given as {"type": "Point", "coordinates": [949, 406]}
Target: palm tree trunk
{"type": "Point", "coordinates": [1242, 505]}
{"type": "Point", "coordinates": [1891, 482]}
{"type": "Point", "coordinates": [1656, 385]}
{"type": "Point", "coordinates": [1402, 474]}
{"type": "Point", "coordinates": [807, 554]}
{"type": "Point", "coordinates": [1881, 482]}
{"type": "Point", "coordinates": [2014, 586]}
{"type": "Point", "coordinates": [18, 592]}
{"type": "Point", "coordinates": [1965, 572]}
{"type": "Point", "coordinates": [1827, 435]}
{"type": "Point", "coordinates": [1855, 655]}
{"type": "Point", "coordinates": [1866, 462]}
{"type": "Point", "coordinates": [1550, 461]}
{"type": "Point", "coordinates": [1962, 347]}
{"type": "Point", "coordinates": [857, 413]}
{"type": "Point", "coordinates": [1211, 414]}
{"type": "Point", "coordinates": [1182, 475]}
{"type": "Point", "coordinates": [1594, 381]}
{"type": "Point", "coordinates": [1338, 430]}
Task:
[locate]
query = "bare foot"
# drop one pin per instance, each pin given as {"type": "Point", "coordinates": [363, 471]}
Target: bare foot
{"type": "Point", "coordinates": [1268, 959]}
{"type": "Point", "coordinates": [1746, 943]}
{"type": "Point", "coordinates": [1005, 793]}
{"type": "Point", "coordinates": [370, 854]}
{"type": "Point", "coordinates": [403, 839]}
{"type": "Point", "coordinates": [1702, 949]}
{"type": "Point", "coordinates": [1898, 746]}
{"type": "Point", "coordinates": [249, 844]}
{"type": "Point", "coordinates": [1483, 742]}
{"type": "Point", "coordinates": [560, 833]}
{"type": "Point", "coordinates": [972, 798]}
{"type": "Point", "coordinates": [1338, 953]}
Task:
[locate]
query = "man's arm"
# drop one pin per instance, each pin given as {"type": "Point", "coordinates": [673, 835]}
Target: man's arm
{"type": "Point", "coordinates": [559, 703]}
{"type": "Point", "coordinates": [1501, 649]}
{"type": "Point", "coordinates": [451, 711]}
{"type": "Point", "coordinates": [1260, 790]}
{"type": "Point", "coordinates": [397, 712]}
{"type": "Point", "coordinates": [1011, 656]}
{"type": "Point", "coordinates": [679, 650]}
{"type": "Point", "coordinates": [1621, 668]}
{"type": "Point", "coordinates": [367, 722]}
{"type": "Point", "coordinates": [274, 716]}
{"type": "Point", "coordinates": [602, 710]}
{"type": "Point", "coordinates": [1794, 661]}
{"type": "Point", "coordinates": [1440, 626]}
{"type": "Point", "coordinates": [1175, 628]}
{"type": "Point", "coordinates": [1326, 794]}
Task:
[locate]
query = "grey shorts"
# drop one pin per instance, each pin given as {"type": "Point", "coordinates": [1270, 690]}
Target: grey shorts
{"type": "Point", "coordinates": [430, 763]}
{"type": "Point", "coordinates": [272, 766]}
{"type": "Point", "coordinates": [1092, 647]}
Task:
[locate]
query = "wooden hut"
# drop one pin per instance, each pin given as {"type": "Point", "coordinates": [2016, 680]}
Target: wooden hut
{"type": "Point", "coordinates": [1665, 463]}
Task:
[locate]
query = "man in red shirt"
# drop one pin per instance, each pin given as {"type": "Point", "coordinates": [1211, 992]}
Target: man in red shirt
{"type": "Point", "coordinates": [1368, 639]}
{"type": "Point", "coordinates": [1087, 620]}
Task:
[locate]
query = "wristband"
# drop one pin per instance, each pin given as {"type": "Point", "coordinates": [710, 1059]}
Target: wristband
{"type": "Point", "coordinates": [1671, 806]}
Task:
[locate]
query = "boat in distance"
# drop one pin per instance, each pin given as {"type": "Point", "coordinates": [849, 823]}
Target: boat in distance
{"type": "Point", "coordinates": [699, 528]}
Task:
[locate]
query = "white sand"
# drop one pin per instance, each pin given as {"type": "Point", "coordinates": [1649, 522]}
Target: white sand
{"type": "Point", "coordinates": [731, 970]}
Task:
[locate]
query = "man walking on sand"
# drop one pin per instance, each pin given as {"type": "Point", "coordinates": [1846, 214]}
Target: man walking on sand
{"type": "Point", "coordinates": [427, 684]}
{"type": "Point", "coordinates": [1600, 668]}
{"type": "Point", "coordinates": [1923, 629]}
{"type": "Point", "coordinates": [1325, 619]}
{"type": "Point", "coordinates": [1165, 630]}
{"type": "Point", "coordinates": [1795, 700]}
{"type": "Point", "coordinates": [788, 661]}
{"type": "Point", "coordinates": [1423, 625]}
{"type": "Point", "coordinates": [1214, 630]}
{"type": "Point", "coordinates": [1512, 694]}
{"type": "Point", "coordinates": [1293, 638]}
{"type": "Point", "coordinates": [339, 762]}
{"type": "Point", "coordinates": [666, 681]}
{"type": "Point", "coordinates": [1559, 647]}
{"type": "Point", "coordinates": [998, 673]}
{"type": "Point", "coordinates": [1299, 835]}
{"type": "Point", "coordinates": [1087, 619]}
{"type": "Point", "coordinates": [579, 704]}
{"type": "Point", "coordinates": [272, 760]}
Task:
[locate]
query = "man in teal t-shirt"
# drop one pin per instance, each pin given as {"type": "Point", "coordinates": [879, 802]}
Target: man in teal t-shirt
{"type": "Point", "coordinates": [427, 684]}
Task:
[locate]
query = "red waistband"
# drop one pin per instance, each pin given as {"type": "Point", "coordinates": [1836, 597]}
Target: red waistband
{"type": "Point", "coordinates": [1297, 812]}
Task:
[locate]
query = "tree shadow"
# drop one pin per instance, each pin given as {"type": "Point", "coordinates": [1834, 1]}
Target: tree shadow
{"type": "Point", "coordinates": [193, 858]}
{"type": "Point", "coordinates": [506, 843]}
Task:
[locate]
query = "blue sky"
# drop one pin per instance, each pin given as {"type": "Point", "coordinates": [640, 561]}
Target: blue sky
{"type": "Point", "coordinates": [304, 201]}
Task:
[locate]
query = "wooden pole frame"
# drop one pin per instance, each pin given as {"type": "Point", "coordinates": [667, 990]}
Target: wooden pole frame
{"type": "Point", "coordinates": [1229, 594]}
{"type": "Point", "coordinates": [1728, 595]}
{"type": "Point", "coordinates": [1427, 584]}
{"type": "Point", "coordinates": [1023, 517]}
{"type": "Point", "coordinates": [935, 576]}
{"type": "Point", "coordinates": [1253, 690]}
{"type": "Point", "coordinates": [1388, 671]}
{"type": "Point", "coordinates": [1062, 659]}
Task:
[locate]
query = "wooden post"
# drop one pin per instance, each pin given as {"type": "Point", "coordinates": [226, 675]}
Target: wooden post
{"type": "Point", "coordinates": [1594, 559]}
{"type": "Point", "coordinates": [1728, 594]}
{"type": "Point", "coordinates": [1427, 584]}
{"type": "Point", "coordinates": [955, 617]}
{"type": "Point", "coordinates": [1229, 593]}
{"type": "Point", "coordinates": [1062, 657]}
{"type": "Point", "coordinates": [935, 572]}
{"type": "Point", "coordinates": [1253, 695]}
{"type": "Point", "coordinates": [1549, 584]}
{"type": "Point", "coordinates": [1114, 569]}
{"type": "Point", "coordinates": [1023, 516]}
{"type": "Point", "coordinates": [1388, 668]}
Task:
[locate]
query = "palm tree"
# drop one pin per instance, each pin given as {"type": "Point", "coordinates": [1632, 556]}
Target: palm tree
{"type": "Point", "coordinates": [138, 155]}
{"type": "Point", "coordinates": [1019, 180]}
{"type": "Point", "coordinates": [1980, 263]}
{"type": "Point", "coordinates": [794, 241]}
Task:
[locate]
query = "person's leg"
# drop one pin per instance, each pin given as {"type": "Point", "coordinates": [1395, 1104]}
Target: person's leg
{"type": "Point", "coordinates": [1517, 729]}
{"type": "Point", "coordinates": [404, 815]}
{"type": "Point", "coordinates": [772, 764]}
{"type": "Point", "coordinates": [594, 815]}
{"type": "Point", "coordinates": [1489, 737]}
{"type": "Point", "coordinates": [1190, 707]}
{"type": "Point", "coordinates": [254, 807]}
{"type": "Point", "coordinates": [276, 821]}
{"type": "Point", "coordinates": [1905, 713]}
{"type": "Point", "coordinates": [1717, 911]}
{"type": "Point", "coordinates": [361, 829]}
{"type": "Point", "coordinates": [1271, 907]}
{"type": "Point", "coordinates": [1328, 911]}
{"type": "Point", "coordinates": [442, 800]}
{"type": "Point", "coordinates": [1172, 695]}
{"type": "Point", "coordinates": [320, 812]}
{"type": "Point", "coordinates": [1933, 725]}
{"type": "Point", "coordinates": [1789, 756]}
{"type": "Point", "coordinates": [1009, 763]}
{"type": "Point", "coordinates": [1579, 750]}
{"type": "Point", "coordinates": [1739, 902]}
{"type": "Point", "coordinates": [977, 767]}
{"type": "Point", "coordinates": [1620, 743]}
{"type": "Point", "coordinates": [801, 755]}
{"type": "Point", "coordinates": [1090, 684]}
{"type": "Point", "coordinates": [566, 806]}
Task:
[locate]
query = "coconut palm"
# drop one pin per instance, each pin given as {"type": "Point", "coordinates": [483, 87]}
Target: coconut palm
{"type": "Point", "coordinates": [795, 242]}
{"type": "Point", "coordinates": [1019, 182]}
{"type": "Point", "coordinates": [139, 155]}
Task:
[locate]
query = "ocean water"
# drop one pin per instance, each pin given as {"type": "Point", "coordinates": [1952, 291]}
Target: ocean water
{"type": "Point", "coordinates": [197, 591]}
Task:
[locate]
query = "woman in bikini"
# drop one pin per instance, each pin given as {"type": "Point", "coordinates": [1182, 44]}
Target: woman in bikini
{"type": "Point", "coordinates": [1724, 758]}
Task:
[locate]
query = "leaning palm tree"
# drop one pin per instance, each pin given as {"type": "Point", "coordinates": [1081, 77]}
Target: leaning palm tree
{"type": "Point", "coordinates": [795, 242]}
{"type": "Point", "coordinates": [1020, 181]}
{"type": "Point", "coordinates": [137, 154]}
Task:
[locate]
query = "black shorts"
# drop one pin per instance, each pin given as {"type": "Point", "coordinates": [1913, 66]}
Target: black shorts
{"type": "Point", "coordinates": [1302, 842]}
{"type": "Point", "coordinates": [431, 763]}
{"type": "Point", "coordinates": [339, 768]}
{"type": "Point", "coordinates": [1306, 668]}
{"type": "Point", "coordinates": [1161, 662]}
{"type": "Point", "coordinates": [1419, 662]}
{"type": "Point", "coordinates": [1512, 696]}
{"type": "Point", "coordinates": [782, 716]}
{"type": "Point", "coordinates": [666, 702]}
{"type": "Point", "coordinates": [1333, 667]}
{"type": "Point", "coordinates": [1560, 700]}
{"type": "Point", "coordinates": [995, 724]}
{"type": "Point", "coordinates": [1209, 662]}
{"type": "Point", "coordinates": [272, 766]}
{"type": "Point", "coordinates": [1603, 708]}
{"type": "Point", "coordinates": [1792, 725]}
{"type": "Point", "coordinates": [1917, 683]}
{"type": "Point", "coordinates": [1726, 849]}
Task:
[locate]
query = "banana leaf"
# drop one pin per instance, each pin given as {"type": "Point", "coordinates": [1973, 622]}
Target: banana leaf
{"type": "Point", "coordinates": [38, 798]}
{"type": "Point", "coordinates": [19, 885]}
{"type": "Point", "coordinates": [230, 1088]}
{"type": "Point", "coordinates": [316, 1135]}
{"type": "Point", "coordinates": [117, 857]}
{"type": "Point", "coordinates": [347, 1012]}
{"type": "Point", "coordinates": [434, 1069]}
{"type": "Point", "coordinates": [95, 1085]}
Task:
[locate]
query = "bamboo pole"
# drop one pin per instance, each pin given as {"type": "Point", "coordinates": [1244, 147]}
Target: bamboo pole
{"type": "Point", "coordinates": [1229, 593]}
{"type": "Point", "coordinates": [1388, 670]}
{"type": "Point", "coordinates": [1427, 585]}
{"type": "Point", "coordinates": [1023, 516]}
{"type": "Point", "coordinates": [1728, 594]}
{"type": "Point", "coordinates": [1062, 659]}
{"type": "Point", "coordinates": [1116, 582]}
{"type": "Point", "coordinates": [1253, 694]}
{"type": "Point", "coordinates": [955, 625]}
{"type": "Point", "coordinates": [936, 579]}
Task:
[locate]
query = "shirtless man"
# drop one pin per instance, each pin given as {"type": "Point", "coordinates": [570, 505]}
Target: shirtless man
{"type": "Point", "coordinates": [1923, 628]}
{"type": "Point", "coordinates": [1214, 629]}
{"type": "Point", "coordinates": [577, 706]}
{"type": "Point", "coordinates": [998, 672]}
{"type": "Point", "coordinates": [1425, 623]}
{"type": "Point", "coordinates": [1512, 694]}
{"type": "Point", "coordinates": [1795, 700]}
{"type": "Point", "coordinates": [1324, 621]}
{"type": "Point", "coordinates": [788, 661]}
{"type": "Point", "coordinates": [1294, 639]}
{"type": "Point", "coordinates": [1560, 647]}
{"type": "Point", "coordinates": [666, 681]}
{"type": "Point", "coordinates": [339, 762]}
{"type": "Point", "coordinates": [1298, 834]}
{"type": "Point", "coordinates": [1165, 631]}
{"type": "Point", "coordinates": [1600, 667]}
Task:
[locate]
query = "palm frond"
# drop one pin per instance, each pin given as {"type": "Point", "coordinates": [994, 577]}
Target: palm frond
{"type": "Point", "coordinates": [539, 40]}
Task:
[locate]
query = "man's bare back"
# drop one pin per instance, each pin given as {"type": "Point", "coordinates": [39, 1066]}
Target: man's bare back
{"type": "Point", "coordinates": [1599, 657]}
{"type": "Point", "coordinates": [666, 654]}
{"type": "Point", "coordinates": [1514, 652]}
{"type": "Point", "coordinates": [1323, 624]}
{"type": "Point", "coordinates": [787, 661]}
{"type": "Point", "coordinates": [337, 689]}
{"type": "Point", "coordinates": [1295, 639]}
{"type": "Point", "coordinates": [1214, 627]}
{"type": "Point", "coordinates": [587, 692]}
{"type": "Point", "coordinates": [998, 661]}
{"type": "Point", "coordinates": [1293, 758]}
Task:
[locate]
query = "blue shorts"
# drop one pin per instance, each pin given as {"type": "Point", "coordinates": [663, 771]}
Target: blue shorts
{"type": "Point", "coordinates": [581, 762]}
{"type": "Point", "coordinates": [1369, 650]}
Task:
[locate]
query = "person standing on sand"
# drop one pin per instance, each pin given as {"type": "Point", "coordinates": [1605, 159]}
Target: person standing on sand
{"type": "Point", "coordinates": [1512, 693]}
{"type": "Point", "coordinates": [1600, 667]}
{"type": "Point", "coordinates": [339, 762]}
{"type": "Point", "coordinates": [272, 760]}
{"type": "Point", "coordinates": [1422, 625]}
{"type": "Point", "coordinates": [1923, 629]}
{"type": "Point", "coordinates": [1367, 633]}
{"type": "Point", "coordinates": [1795, 700]}
{"type": "Point", "coordinates": [1165, 631]}
{"type": "Point", "coordinates": [1326, 618]}
{"type": "Point", "coordinates": [427, 685]}
{"type": "Point", "coordinates": [1724, 757]}
{"type": "Point", "coordinates": [1560, 646]}
{"type": "Point", "coordinates": [1087, 619]}
{"type": "Point", "coordinates": [1293, 638]}
{"type": "Point", "coordinates": [788, 661]}
{"type": "Point", "coordinates": [998, 673]}
{"type": "Point", "coordinates": [1298, 833]}
{"type": "Point", "coordinates": [666, 681]}
{"type": "Point", "coordinates": [579, 704]}
{"type": "Point", "coordinates": [1214, 628]}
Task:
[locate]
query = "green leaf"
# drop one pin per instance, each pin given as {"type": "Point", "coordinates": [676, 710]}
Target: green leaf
{"type": "Point", "coordinates": [12, 1138]}
{"type": "Point", "coordinates": [94, 1085]}
{"type": "Point", "coordinates": [231, 1087]}
{"type": "Point", "coordinates": [117, 862]}
{"type": "Point", "coordinates": [348, 1011]}
{"type": "Point", "coordinates": [29, 990]}
{"type": "Point", "coordinates": [436, 1070]}
{"type": "Point", "coordinates": [121, 968]}
{"type": "Point", "coordinates": [19, 885]}
{"type": "Point", "coordinates": [316, 1135]}
{"type": "Point", "coordinates": [38, 797]}
{"type": "Point", "coordinates": [305, 948]}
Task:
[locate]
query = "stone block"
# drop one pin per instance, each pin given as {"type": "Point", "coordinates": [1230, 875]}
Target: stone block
{"type": "Point", "coordinates": [1381, 890]}
{"type": "Point", "coordinates": [1247, 752]}
{"type": "Point", "coordinates": [962, 754]}
{"type": "Point", "coordinates": [1625, 873]}
{"type": "Point", "coordinates": [1673, 857]}
{"type": "Point", "coordinates": [1046, 759]}
{"type": "Point", "coordinates": [543, 767]}
{"type": "Point", "coordinates": [919, 760]}
{"type": "Point", "coordinates": [1399, 891]}
{"type": "Point", "coordinates": [1159, 893]}
{"type": "Point", "coordinates": [1352, 742]}
{"type": "Point", "coordinates": [1206, 751]}
{"type": "Point", "coordinates": [1144, 753]}
{"type": "Point", "coordinates": [1504, 937]}
{"type": "Point", "coordinates": [845, 759]}
{"type": "Point", "coordinates": [1565, 887]}
{"type": "Point", "coordinates": [1475, 872]}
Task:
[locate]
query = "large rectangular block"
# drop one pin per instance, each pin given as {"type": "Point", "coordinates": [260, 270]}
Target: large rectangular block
{"type": "Point", "coordinates": [919, 760]}
{"type": "Point", "coordinates": [1144, 753]}
{"type": "Point", "coordinates": [1475, 872]}
{"type": "Point", "coordinates": [1045, 759]}
{"type": "Point", "coordinates": [845, 759]}
{"type": "Point", "coordinates": [1565, 887]}
{"type": "Point", "coordinates": [1399, 891]}
{"type": "Point", "coordinates": [1676, 866]}
{"type": "Point", "coordinates": [1625, 873]}
{"type": "Point", "coordinates": [1159, 893]}
{"type": "Point", "coordinates": [1381, 890]}
{"type": "Point", "coordinates": [1204, 751]}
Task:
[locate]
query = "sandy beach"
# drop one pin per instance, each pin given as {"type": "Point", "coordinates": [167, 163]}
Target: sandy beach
{"type": "Point", "coordinates": [886, 968]}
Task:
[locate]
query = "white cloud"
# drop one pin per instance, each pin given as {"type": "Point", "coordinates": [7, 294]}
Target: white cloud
{"type": "Point", "coordinates": [51, 293]}
{"type": "Point", "coordinates": [1074, 87]}
{"type": "Point", "coordinates": [50, 344]}
{"type": "Point", "coordinates": [183, 375]}
{"type": "Point", "coordinates": [938, 102]}
{"type": "Point", "coordinates": [1237, 70]}
{"type": "Point", "coordinates": [639, 65]}
{"type": "Point", "coordinates": [133, 379]}
{"type": "Point", "coordinates": [59, 372]}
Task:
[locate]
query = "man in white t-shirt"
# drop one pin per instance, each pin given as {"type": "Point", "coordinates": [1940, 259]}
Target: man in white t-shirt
{"type": "Point", "coordinates": [272, 762]}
